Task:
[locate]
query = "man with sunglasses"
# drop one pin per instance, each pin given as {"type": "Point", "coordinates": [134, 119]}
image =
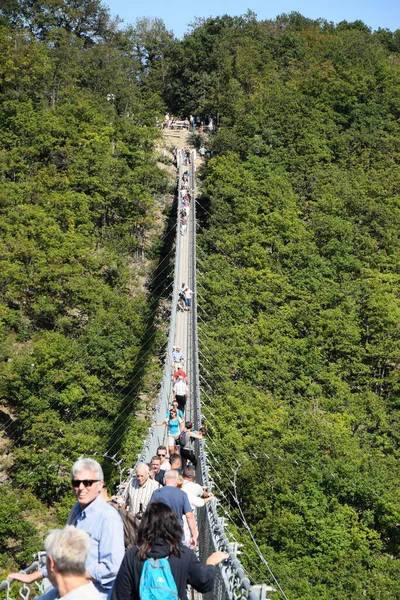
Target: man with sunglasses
{"type": "Point", "coordinates": [174, 405]}
{"type": "Point", "coordinates": [103, 524]}
{"type": "Point", "coordinates": [162, 455]}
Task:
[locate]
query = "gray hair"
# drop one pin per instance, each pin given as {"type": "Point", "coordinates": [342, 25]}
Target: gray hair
{"type": "Point", "coordinates": [87, 463]}
{"type": "Point", "coordinates": [69, 548]}
{"type": "Point", "coordinates": [189, 472]}
{"type": "Point", "coordinates": [171, 474]}
{"type": "Point", "coordinates": [144, 466]}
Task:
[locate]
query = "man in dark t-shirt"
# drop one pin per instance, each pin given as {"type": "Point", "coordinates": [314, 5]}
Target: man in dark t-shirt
{"type": "Point", "coordinates": [158, 472]}
{"type": "Point", "coordinates": [178, 501]}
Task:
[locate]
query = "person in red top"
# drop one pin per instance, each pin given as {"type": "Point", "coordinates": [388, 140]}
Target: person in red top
{"type": "Point", "coordinates": [180, 372]}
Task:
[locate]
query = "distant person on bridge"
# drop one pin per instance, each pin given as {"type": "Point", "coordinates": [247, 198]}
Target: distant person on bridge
{"type": "Point", "coordinates": [176, 462]}
{"type": "Point", "coordinates": [174, 405]}
{"type": "Point", "coordinates": [181, 391]}
{"type": "Point", "coordinates": [194, 489]}
{"type": "Point", "coordinates": [184, 224]}
{"type": "Point", "coordinates": [187, 436]}
{"type": "Point", "coordinates": [162, 455]}
{"type": "Point", "coordinates": [182, 373]}
{"type": "Point", "coordinates": [188, 293]}
{"type": "Point", "coordinates": [181, 304]}
{"type": "Point", "coordinates": [160, 536]}
{"type": "Point", "coordinates": [140, 489]}
{"type": "Point", "coordinates": [198, 497]}
{"type": "Point", "coordinates": [177, 356]}
{"type": "Point", "coordinates": [182, 192]}
{"type": "Point", "coordinates": [178, 502]}
{"type": "Point", "coordinates": [158, 472]}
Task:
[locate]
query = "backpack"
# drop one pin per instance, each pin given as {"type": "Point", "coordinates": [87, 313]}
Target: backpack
{"type": "Point", "coordinates": [130, 523]}
{"type": "Point", "coordinates": [183, 438]}
{"type": "Point", "coordinates": [157, 581]}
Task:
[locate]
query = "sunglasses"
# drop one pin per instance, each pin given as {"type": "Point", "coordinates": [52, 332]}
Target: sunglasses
{"type": "Point", "coordinates": [86, 482]}
{"type": "Point", "coordinates": [161, 455]}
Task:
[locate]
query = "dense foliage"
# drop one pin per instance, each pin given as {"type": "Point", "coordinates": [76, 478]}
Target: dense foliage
{"type": "Point", "coordinates": [299, 289]}
{"type": "Point", "coordinates": [78, 199]}
{"type": "Point", "coordinates": [299, 294]}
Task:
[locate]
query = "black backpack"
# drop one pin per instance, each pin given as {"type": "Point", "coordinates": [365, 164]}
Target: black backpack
{"type": "Point", "coordinates": [131, 524]}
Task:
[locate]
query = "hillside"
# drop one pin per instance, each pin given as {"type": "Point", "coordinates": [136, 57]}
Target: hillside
{"type": "Point", "coordinates": [83, 209]}
{"type": "Point", "coordinates": [299, 293]}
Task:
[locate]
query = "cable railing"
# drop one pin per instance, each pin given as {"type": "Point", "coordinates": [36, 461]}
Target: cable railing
{"type": "Point", "coordinates": [232, 582]}
{"type": "Point", "coordinates": [24, 591]}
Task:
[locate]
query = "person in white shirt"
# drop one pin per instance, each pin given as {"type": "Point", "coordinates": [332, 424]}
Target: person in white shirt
{"type": "Point", "coordinates": [188, 293]}
{"type": "Point", "coordinates": [180, 392]}
{"type": "Point", "coordinates": [140, 489]}
{"type": "Point", "coordinates": [198, 497]}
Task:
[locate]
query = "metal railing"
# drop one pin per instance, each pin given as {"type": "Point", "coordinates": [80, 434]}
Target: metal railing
{"type": "Point", "coordinates": [25, 591]}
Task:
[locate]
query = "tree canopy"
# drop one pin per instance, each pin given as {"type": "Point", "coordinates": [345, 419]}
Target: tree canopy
{"type": "Point", "coordinates": [298, 273]}
{"type": "Point", "coordinates": [80, 197]}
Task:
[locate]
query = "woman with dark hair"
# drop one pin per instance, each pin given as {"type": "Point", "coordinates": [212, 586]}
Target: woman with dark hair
{"type": "Point", "coordinates": [160, 536]}
{"type": "Point", "coordinates": [175, 425]}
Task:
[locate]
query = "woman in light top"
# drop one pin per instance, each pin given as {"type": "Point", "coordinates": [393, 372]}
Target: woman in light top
{"type": "Point", "coordinates": [175, 426]}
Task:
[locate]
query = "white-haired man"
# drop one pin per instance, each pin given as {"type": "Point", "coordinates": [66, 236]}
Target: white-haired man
{"type": "Point", "coordinates": [103, 524]}
{"type": "Point", "coordinates": [140, 489]}
{"type": "Point", "coordinates": [66, 553]}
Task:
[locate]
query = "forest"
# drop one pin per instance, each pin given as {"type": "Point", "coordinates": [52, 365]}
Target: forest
{"type": "Point", "coordinates": [82, 206]}
{"type": "Point", "coordinates": [299, 296]}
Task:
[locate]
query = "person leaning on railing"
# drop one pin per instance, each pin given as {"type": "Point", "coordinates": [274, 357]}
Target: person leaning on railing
{"type": "Point", "coordinates": [102, 522]}
{"type": "Point", "coordinates": [174, 424]}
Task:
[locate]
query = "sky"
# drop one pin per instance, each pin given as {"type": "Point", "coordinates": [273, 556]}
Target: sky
{"type": "Point", "coordinates": [177, 17]}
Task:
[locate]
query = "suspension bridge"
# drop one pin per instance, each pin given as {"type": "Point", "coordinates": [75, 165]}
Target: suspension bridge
{"type": "Point", "coordinates": [232, 581]}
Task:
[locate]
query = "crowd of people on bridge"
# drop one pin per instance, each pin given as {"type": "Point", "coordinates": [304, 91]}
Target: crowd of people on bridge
{"type": "Point", "coordinates": [89, 559]}
{"type": "Point", "coordinates": [119, 548]}
{"type": "Point", "coordinates": [184, 199]}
